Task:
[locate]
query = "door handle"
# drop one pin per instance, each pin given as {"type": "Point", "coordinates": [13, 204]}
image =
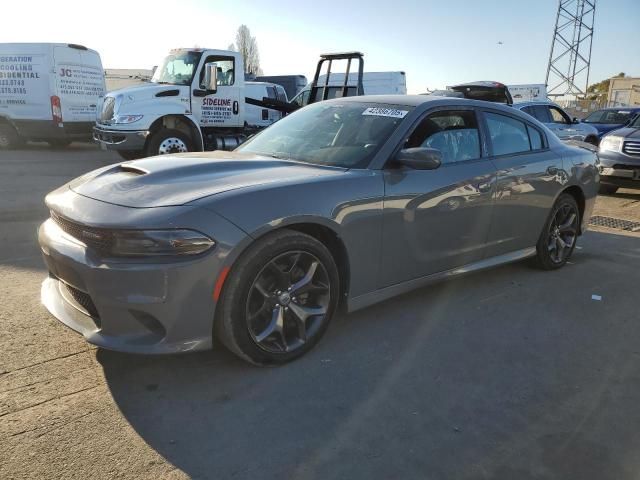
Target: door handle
{"type": "Point", "coordinates": [552, 170]}
{"type": "Point", "coordinates": [199, 93]}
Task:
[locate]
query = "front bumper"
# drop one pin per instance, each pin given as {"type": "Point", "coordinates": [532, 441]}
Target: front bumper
{"type": "Point", "coordinates": [110, 139]}
{"type": "Point", "coordinates": [619, 169]}
{"type": "Point", "coordinates": [146, 307]}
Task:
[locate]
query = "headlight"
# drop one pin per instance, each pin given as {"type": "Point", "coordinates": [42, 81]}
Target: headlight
{"type": "Point", "coordinates": [126, 118]}
{"type": "Point", "coordinates": [144, 243]}
{"type": "Point", "coordinates": [611, 144]}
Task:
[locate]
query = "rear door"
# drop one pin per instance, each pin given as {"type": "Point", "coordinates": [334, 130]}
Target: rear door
{"type": "Point", "coordinates": [436, 220]}
{"type": "Point", "coordinates": [530, 175]}
{"type": "Point", "coordinates": [79, 81]}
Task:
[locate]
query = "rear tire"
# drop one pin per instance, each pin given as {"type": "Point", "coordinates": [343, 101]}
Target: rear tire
{"type": "Point", "coordinates": [559, 235]}
{"type": "Point", "coordinates": [168, 140]}
{"type": "Point", "coordinates": [262, 293]}
{"type": "Point", "coordinates": [9, 138]}
{"type": "Point", "coordinates": [607, 189]}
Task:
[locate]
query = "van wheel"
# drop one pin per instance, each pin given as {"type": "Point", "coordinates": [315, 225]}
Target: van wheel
{"type": "Point", "coordinates": [9, 138]}
{"type": "Point", "coordinates": [167, 140]}
{"type": "Point", "coordinates": [59, 143]}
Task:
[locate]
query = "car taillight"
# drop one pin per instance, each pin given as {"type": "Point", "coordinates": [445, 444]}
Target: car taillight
{"type": "Point", "coordinates": [56, 110]}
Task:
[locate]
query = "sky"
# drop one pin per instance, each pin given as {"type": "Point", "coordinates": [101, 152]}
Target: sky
{"type": "Point", "coordinates": [437, 43]}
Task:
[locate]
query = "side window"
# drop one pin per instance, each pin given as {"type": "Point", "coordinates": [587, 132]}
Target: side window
{"type": "Point", "coordinates": [271, 92]}
{"type": "Point", "coordinates": [535, 137]}
{"type": "Point", "coordinates": [281, 93]}
{"type": "Point", "coordinates": [557, 115]}
{"type": "Point", "coordinates": [530, 111]}
{"type": "Point", "coordinates": [508, 135]}
{"type": "Point", "coordinates": [226, 70]}
{"type": "Point", "coordinates": [453, 132]}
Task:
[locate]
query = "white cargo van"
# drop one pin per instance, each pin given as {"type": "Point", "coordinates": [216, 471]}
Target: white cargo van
{"type": "Point", "coordinates": [374, 83]}
{"type": "Point", "coordinates": [48, 92]}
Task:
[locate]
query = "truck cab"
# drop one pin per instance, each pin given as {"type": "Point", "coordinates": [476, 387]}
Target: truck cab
{"type": "Point", "coordinates": [178, 111]}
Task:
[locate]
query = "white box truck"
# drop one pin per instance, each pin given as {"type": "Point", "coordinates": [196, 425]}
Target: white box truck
{"type": "Point", "coordinates": [48, 92]}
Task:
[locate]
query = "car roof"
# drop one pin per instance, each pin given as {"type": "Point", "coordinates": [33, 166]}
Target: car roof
{"type": "Point", "coordinates": [418, 100]}
{"type": "Point", "coordinates": [538, 102]}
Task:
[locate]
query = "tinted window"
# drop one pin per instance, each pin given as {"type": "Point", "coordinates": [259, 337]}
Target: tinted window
{"type": "Point", "coordinates": [454, 133]}
{"type": "Point", "coordinates": [612, 117]}
{"type": "Point", "coordinates": [535, 137]}
{"type": "Point", "coordinates": [508, 135]}
{"type": "Point", "coordinates": [271, 92]}
{"type": "Point", "coordinates": [540, 112]}
{"type": "Point", "coordinates": [557, 115]}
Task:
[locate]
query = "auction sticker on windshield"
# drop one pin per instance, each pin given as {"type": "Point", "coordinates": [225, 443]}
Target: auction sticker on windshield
{"type": "Point", "coordinates": [385, 112]}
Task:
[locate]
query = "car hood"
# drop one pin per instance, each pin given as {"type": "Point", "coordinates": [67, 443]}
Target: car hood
{"type": "Point", "coordinates": [145, 91]}
{"type": "Point", "coordinates": [627, 132]}
{"type": "Point", "coordinates": [172, 180]}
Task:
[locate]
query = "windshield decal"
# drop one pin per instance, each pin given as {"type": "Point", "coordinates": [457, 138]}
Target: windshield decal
{"type": "Point", "coordinates": [385, 112]}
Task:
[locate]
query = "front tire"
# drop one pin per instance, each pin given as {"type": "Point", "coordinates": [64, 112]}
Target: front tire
{"type": "Point", "coordinates": [559, 235]}
{"type": "Point", "coordinates": [167, 141]}
{"type": "Point", "coordinates": [607, 189]}
{"type": "Point", "coordinates": [278, 299]}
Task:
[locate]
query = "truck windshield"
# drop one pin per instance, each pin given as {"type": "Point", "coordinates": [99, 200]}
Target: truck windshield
{"type": "Point", "coordinates": [177, 68]}
{"type": "Point", "coordinates": [336, 134]}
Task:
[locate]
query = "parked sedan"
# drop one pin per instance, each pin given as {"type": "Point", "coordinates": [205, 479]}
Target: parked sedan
{"type": "Point", "coordinates": [350, 201]}
{"type": "Point", "coordinates": [619, 153]}
{"type": "Point", "coordinates": [609, 119]}
{"type": "Point", "coordinates": [559, 122]}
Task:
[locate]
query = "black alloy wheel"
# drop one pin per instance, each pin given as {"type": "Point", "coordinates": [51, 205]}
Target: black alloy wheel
{"type": "Point", "coordinates": [288, 302]}
{"type": "Point", "coordinates": [560, 234]}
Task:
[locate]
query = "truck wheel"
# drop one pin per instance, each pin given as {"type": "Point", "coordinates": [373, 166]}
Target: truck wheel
{"type": "Point", "coordinates": [9, 138]}
{"type": "Point", "coordinates": [130, 154]}
{"type": "Point", "coordinates": [59, 143]}
{"type": "Point", "coordinates": [166, 141]}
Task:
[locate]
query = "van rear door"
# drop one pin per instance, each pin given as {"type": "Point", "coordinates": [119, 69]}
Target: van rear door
{"type": "Point", "coordinates": [79, 82]}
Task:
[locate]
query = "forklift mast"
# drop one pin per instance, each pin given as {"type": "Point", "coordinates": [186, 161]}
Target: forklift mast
{"type": "Point", "coordinates": [330, 57]}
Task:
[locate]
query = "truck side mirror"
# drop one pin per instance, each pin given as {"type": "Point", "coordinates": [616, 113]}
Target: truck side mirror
{"type": "Point", "coordinates": [211, 77]}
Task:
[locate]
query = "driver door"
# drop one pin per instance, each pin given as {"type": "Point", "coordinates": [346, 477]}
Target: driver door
{"type": "Point", "coordinates": [223, 108]}
{"type": "Point", "coordinates": [436, 220]}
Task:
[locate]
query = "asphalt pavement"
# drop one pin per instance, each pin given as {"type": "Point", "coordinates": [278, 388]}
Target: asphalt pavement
{"type": "Point", "coordinates": [511, 373]}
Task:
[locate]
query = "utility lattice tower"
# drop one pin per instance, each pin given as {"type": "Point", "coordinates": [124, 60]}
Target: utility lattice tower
{"type": "Point", "coordinates": [570, 56]}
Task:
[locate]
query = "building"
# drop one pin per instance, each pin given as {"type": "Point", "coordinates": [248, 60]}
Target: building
{"type": "Point", "coordinates": [624, 91]}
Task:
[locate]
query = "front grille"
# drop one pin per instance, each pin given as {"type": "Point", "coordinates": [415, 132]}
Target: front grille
{"type": "Point", "coordinates": [82, 299]}
{"type": "Point", "coordinates": [616, 223]}
{"type": "Point", "coordinates": [108, 107]}
{"type": "Point", "coordinates": [98, 239]}
{"type": "Point", "coordinates": [631, 148]}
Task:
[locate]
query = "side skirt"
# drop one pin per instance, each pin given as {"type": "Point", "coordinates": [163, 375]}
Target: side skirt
{"type": "Point", "coordinates": [382, 294]}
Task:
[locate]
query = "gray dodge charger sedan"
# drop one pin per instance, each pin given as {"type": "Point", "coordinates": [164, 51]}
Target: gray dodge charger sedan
{"type": "Point", "coordinates": [348, 201]}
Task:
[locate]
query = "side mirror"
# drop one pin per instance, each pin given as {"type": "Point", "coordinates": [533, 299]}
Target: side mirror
{"type": "Point", "coordinates": [211, 77]}
{"type": "Point", "coordinates": [420, 158]}
{"type": "Point", "coordinates": [575, 120]}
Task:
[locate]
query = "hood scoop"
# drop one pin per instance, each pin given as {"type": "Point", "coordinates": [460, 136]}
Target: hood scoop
{"type": "Point", "coordinates": [130, 168]}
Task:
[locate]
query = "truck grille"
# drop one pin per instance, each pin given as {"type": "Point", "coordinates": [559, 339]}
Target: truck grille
{"type": "Point", "coordinates": [631, 148]}
{"type": "Point", "coordinates": [98, 239]}
{"type": "Point", "coordinates": [108, 107]}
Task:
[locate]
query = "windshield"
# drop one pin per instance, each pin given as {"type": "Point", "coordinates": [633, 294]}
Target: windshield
{"type": "Point", "coordinates": [609, 116]}
{"type": "Point", "coordinates": [177, 68]}
{"type": "Point", "coordinates": [342, 135]}
{"type": "Point", "coordinates": [636, 122]}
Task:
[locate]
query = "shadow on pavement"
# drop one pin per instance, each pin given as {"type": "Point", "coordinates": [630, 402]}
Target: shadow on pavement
{"type": "Point", "coordinates": [512, 373]}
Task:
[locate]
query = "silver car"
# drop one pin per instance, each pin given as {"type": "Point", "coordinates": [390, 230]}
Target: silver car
{"type": "Point", "coordinates": [349, 201]}
{"type": "Point", "coordinates": [559, 121]}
